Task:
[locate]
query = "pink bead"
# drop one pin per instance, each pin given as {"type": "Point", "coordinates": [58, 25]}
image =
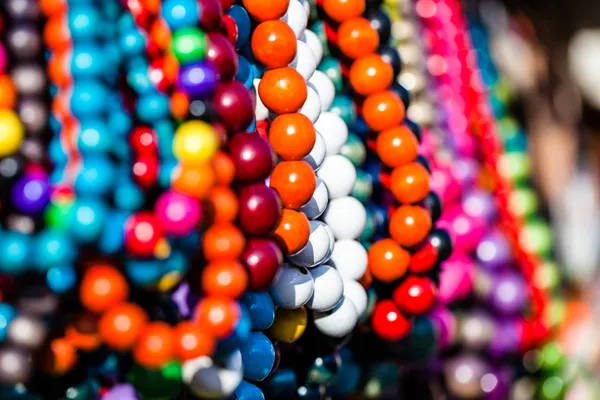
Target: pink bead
{"type": "Point", "coordinates": [467, 230]}
{"type": "Point", "coordinates": [456, 278]}
{"type": "Point", "coordinates": [2, 59]}
{"type": "Point", "coordinates": [177, 214]}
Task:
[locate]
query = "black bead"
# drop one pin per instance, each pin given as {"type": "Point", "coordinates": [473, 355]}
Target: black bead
{"type": "Point", "coordinates": [423, 161]}
{"type": "Point", "coordinates": [382, 24]}
{"type": "Point", "coordinates": [392, 57]}
{"type": "Point", "coordinates": [441, 240]}
{"type": "Point", "coordinates": [414, 127]}
{"type": "Point", "coordinates": [402, 93]}
{"type": "Point", "coordinates": [433, 204]}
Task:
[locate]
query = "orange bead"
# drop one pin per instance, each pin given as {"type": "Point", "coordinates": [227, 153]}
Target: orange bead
{"type": "Point", "coordinates": [342, 10]}
{"type": "Point", "coordinates": [155, 346]}
{"type": "Point", "coordinates": [383, 110]}
{"type": "Point", "coordinates": [388, 261]}
{"type": "Point", "coordinates": [357, 38]}
{"type": "Point", "coordinates": [58, 69]}
{"type": "Point", "coordinates": [179, 104]}
{"type": "Point", "coordinates": [295, 182]}
{"type": "Point", "coordinates": [121, 326]}
{"type": "Point", "coordinates": [102, 287]}
{"type": "Point", "coordinates": [224, 168]}
{"type": "Point", "coordinates": [292, 136]}
{"type": "Point", "coordinates": [224, 278]}
{"type": "Point", "coordinates": [282, 90]}
{"type": "Point", "coordinates": [191, 341]}
{"type": "Point", "coordinates": [397, 146]}
{"type": "Point", "coordinates": [194, 181]}
{"type": "Point", "coordinates": [160, 33]}
{"type": "Point", "coordinates": [8, 94]}
{"type": "Point", "coordinates": [409, 225]}
{"type": "Point", "coordinates": [61, 357]}
{"type": "Point", "coordinates": [56, 33]}
{"type": "Point", "coordinates": [153, 6]}
{"type": "Point", "coordinates": [83, 332]}
{"type": "Point", "coordinates": [218, 315]}
{"type": "Point", "coordinates": [274, 44]}
{"type": "Point", "coordinates": [370, 74]}
{"type": "Point", "coordinates": [293, 231]}
{"type": "Point", "coordinates": [53, 7]}
{"type": "Point", "coordinates": [262, 10]}
{"type": "Point", "coordinates": [223, 241]}
{"type": "Point", "coordinates": [410, 183]}
{"type": "Point", "coordinates": [222, 204]}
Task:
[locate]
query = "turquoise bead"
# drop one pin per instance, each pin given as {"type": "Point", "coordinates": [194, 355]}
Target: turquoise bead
{"type": "Point", "coordinates": [87, 61]}
{"type": "Point", "coordinates": [180, 13]}
{"type": "Point", "coordinates": [128, 196]}
{"type": "Point", "coordinates": [132, 43]}
{"type": "Point", "coordinates": [61, 278]}
{"type": "Point", "coordinates": [88, 219]}
{"type": "Point", "coordinates": [187, 244]}
{"type": "Point", "coordinates": [83, 21]}
{"type": "Point", "coordinates": [56, 151]}
{"type": "Point", "coordinates": [94, 137]}
{"type": "Point", "coordinates": [363, 188]}
{"type": "Point", "coordinates": [88, 98]}
{"type": "Point", "coordinates": [15, 250]}
{"type": "Point", "coordinates": [344, 107]}
{"type": "Point", "coordinates": [176, 262]}
{"type": "Point", "coordinates": [144, 272]}
{"type": "Point", "coordinates": [240, 334]}
{"type": "Point", "coordinates": [152, 106]}
{"type": "Point", "coordinates": [96, 176]}
{"type": "Point", "coordinates": [138, 79]}
{"type": "Point", "coordinates": [111, 240]}
{"type": "Point", "coordinates": [7, 314]}
{"type": "Point", "coordinates": [331, 67]}
{"type": "Point", "coordinates": [354, 150]}
{"type": "Point", "coordinates": [52, 247]}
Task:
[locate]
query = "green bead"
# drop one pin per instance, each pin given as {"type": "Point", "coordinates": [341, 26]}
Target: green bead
{"type": "Point", "coordinates": [157, 384]}
{"type": "Point", "coordinates": [344, 107]}
{"type": "Point", "coordinates": [58, 214]}
{"type": "Point", "coordinates": [189, 45]}
{"type": "Point", "coordinates": [331, 67]}
{"type": "Point", "coordinates": [370, 226]}
{"type": "Point", "coordinates": [354, 150]}
{"type": "Point", "coordinates": [363, 188]}
{"type": "Point", "coordinates": [514, 166]}
{"type": "Point", "coordinates": [551, 357]}
{"type": "Point", "coordinates": [536, 238]}
{"type": "Point", "coordinates": [555, 313]}
{"type": "Point", "coordinates": [552, 388]}
{"type": "Point", "coordinates": [547, 276]}
{"type": "Point", "coordinates": [523, 202]}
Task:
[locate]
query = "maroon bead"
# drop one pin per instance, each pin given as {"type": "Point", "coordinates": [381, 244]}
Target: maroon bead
{"type": "Point", "coordinates": [416, 295]}
{"type": "Point", "coordinates": [234, 104]}
{"type": "Point", "coordinates": [252, 157]}
{"type": "Point", "coordinates": [260, 209]}
{"type": "Point", "coordinates": [222, 54]}
{"type": "Point", "coordinates": [211, 14]}
{"type": "Point", "coordinates": [229, 29]}
{"type": "Point", "coordinates": [388, 322]}
{"type": "Point", "coordinates": [226, 4]}
{"type": "Point", "coordinates": [262, 257]}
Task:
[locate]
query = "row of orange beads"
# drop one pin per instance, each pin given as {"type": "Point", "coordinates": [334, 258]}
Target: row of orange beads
{"type": "Point", "coordinates": [370, 78]}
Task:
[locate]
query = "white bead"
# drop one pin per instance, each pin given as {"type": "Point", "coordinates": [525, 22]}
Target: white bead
{"type": "Point", "coordinates": [339, 175]}
{"type": "Point", "coordinates": [346, 216]}
{"type": "Point", "coordinates": [337, 322]}
{"type": "Point", "coordinates": [317, 203]}
{"type": "Point", "coordinates": [325, 88]}
{"type": "Point", "coordinates": [312, 106]}
{"type": "Point", "coordinates": [349, 258]}
{"type": "Point", "coordinates": [331, 242]}
{"type": "Point", "coordinates": [210, 381]}
{"type": "Point", "coordinates": [317, 155]}
{"type": "Point", "coordinates": [316, 250]}
{"type": "Point", "coordinates": [260, 111]}
{"type": "Point", "coordinates": [357, 294]}
{"type": "Point", "coordinates": [313, 42]}
{"type": "Point", "coordinates": [296, 17]}
{"type": "Point", "coordinates": [334, 130]}
{"type": "Point", "coordinates": [329, 288]}
{"type": "Point", "coordinates": [292, 287]}
{"type": "Point", "coordinates": [304, 62]}
{"type": "Point", "coordinates": [306, 5]}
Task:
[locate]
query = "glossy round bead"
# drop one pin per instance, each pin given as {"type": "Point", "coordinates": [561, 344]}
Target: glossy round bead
{"type": "Point", "coordinates": [21, 366]}
{"type": "Point", "coordinates": [248, 391]}
{"type": "Point", "coordinates": [314, 43]}
{"type": "Point", "coordinates": [260, 209]}
{"type": "Point", "coordinates": [194, 181]}
{"type": "Point", "coordinates": [370, 74]}
{"type": "Point", "coordinates": [292, 136]}
{"type": "Point", "coordinates": [292, 287]}
{"type": "Point", "coordinates": [397, 146]}
{"type": "Point", "coordinates": [180, 14]}
{"type": "Point", "coordinates": [197, 80]}
{"type": "Point", "coordinates": [223, 241]}
{"type": "Point", "coordinates": [262, 258]}
{"type": "Point", "coordinates": [155, 346]}
{"type": "Point", "coordinates": [355, 292]}
{"type": "Point", "coordinates": [410, 183]}
{"type": "Point", "coordinates": [258, 357]}
{"type": "Point", "coordinates": [318, 248]}
{"type": "Point", "coordinates": [195, 143]}
{"type": "Point", "coordinates": [219, 316]}
{"type": "Point", "coordinates": [391, 56]}
{"type": "Point", "coordinates": [192, 341]}
{"type": "Point", "coordinates": [339, 321]}
{"type": "Point", "coordinates": [357, 38]}
{"type": "Point", "coordinates": [350, 259]}
{"type": "Point", "coordinates": [205, 379]}
{"type": "Point", "coordinates": [224, 278]}
{"type": "Point", "coordinates": [383, 110]}
{"type": "Point", "coordinates": [142, 233]}
{"type": "Point", "coordinates": [324, 87]}
{"type": "Point", "coordinates": [317, 155]}
{"type": "Point", "coordinates": [234, 105]}
{"type": "Point", "coordinates": [261, 11]}
{"type": "Point", "coordinates": [221, 53]}
{"type": "Point", "coordinates": [274, 44]}
{"type": "Point", "coordinates": [296, 17]}
{"type": "Point", "coordinates": [189, 45]}
{"type": "Point", "coordinates": [121, 325]}
{"type": "Point", "coordinates": [295, 183]}
{"type": "Point", "coordinates": [304, 61]}
{"type": "Point", "coordinates": [293, 231]}
{"type": "Point", "coordinates": [282, 90]}
{"type": "Point", "coordinates": [30, 194]}
{"type": "Point", "coordinates": [387, 260]}
{"type": "Point", "coordinates": [223, 204]}
{"type": "Point", "coordinates": [102, 287]}
{"type": "Point", "coordinates": [388, 322]}
{"type": "Point", "coordinates": [339, 175]}
{"type": "Point", "coordinates": [7, 314]}
{"type": "Point", "coordinates": [177, 213]}
{"type": "Point", "coordinates": [11, 132]}
{"type": "Point", "coordinates": [261, 308]}
{"type": "Point", "coordinates": [334, 131]}
{"type": "Point", "coordinates": [416, 295]}
{"type": "Point", "coordinates": [289, 325]}
{"type": "Point", "coordinates": [409, 225]}
{"type": "Point", "coordinates": [328, 288]}
{"type": "Point", "coordinates": [312, 106]}
{"type": "Point", "coordinates": [336, 217]}
{"type": "Point", "coordinates": [318, 201]}
{"type": "Point", "coordinates": [343, 10]}
{"type": "Point", "coordinates": [252, 157]}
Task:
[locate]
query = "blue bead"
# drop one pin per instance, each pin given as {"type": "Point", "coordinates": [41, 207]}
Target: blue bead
{"type": "Point", "coordinates": [262, 309]}
{"type": "Point", "coordinates": [15, 250]}
{"type": "Point", "coordinates": [152, 107]}
{"type": "Point", "coordinates": [87, 61]}
{"type": "Point", "coordinates": [96, 176]}
{"type": "Point", "coordinates": [244, 72]}
{"type": "Point", "coordinates": [347, 380]}
{"type": "Point", "coordinates": [244, 25]}
{"type": "Point", "coordinates": [57, 175]}
{"type": "Point", "coordinates": [180, 13]}
{"type": "Point", "coordinates": [258, 357]}
{"type": "Point", "coordinates": [56, 152]}
{"type": "Point", "coordinates": [89, 216]}
{"type": "Point", "coordinates": [83, 20]}
{"type": "Point", "coordinates": [176, 262]}
{"type": "Point", "coordinates": [52, 247]}
{"type": "Point", "coordinates": [61, 278]}
{"type": "Point", "coordinates": [7, 314]}
{"type": "Point", "coordinates": [138, 79]}
{"type": "Point", "coordinates": [88, 98]}
{"type": "Point", "coordinates": [120, 149]}
{"type": "Point", "coordinates": [281, 385]}
{"type": "Point", "coordinates": [144, 272]}
{"type": "Point", "coordinates": [248, 391]}
{"type": "Point", "coordinates": [111, 240]}
{"type": "Point", "coordinates": [239, 336]}
{"type": "Point", "coordinates": [187, 244]}
{"type": "Point", "coordinates": [132, 43]}
{"type": "Point", "coordinates": [128, 196]}
{"type": "Point", "coordinates": [94, 137]}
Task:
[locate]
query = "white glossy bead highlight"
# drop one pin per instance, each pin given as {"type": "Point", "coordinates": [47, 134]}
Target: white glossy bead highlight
{"type": "Point", "coordinates": [260, 110]}
{"type": "Point", "coordinates": [313, 42]}
{"type": "Point", "coordinates": [337, 322]}
{"type": "Point", "coordinates": [357, 294]}
{"type": "Point", "coordinates": [339, 175]}
{"type": "Point", "coordinates": [207, 380]}
{"type": "Point", "coordinates": [296, 17]}
{"type": "Point", "coordinates": [329, 288]}
{"type": "Point", "coordinates": [334, 131]}
{"type": "Point", "coordinates": [349, 258]}
{"type": "Point", "coordinates": [346, 216]}
{"type": "Point", "coordinates": [304, 62]}
{"type": "Point", "coordinates": [325, 88]}
{"type": "Point", "coordinates": [312, 106]}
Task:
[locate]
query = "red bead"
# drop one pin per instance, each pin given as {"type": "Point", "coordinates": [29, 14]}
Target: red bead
{"type": "Point", "coordinates": [157, 75]}
{"type": "Point", "coordinates": [252, 157]}
{"type": "Point", "coordinates": [222, 54]}
{"type": "Point", "coordinates": [416, 295]}
{"type": "Point", "coordinates": [145, 171]}
{"type": "Point", "coordinates": [229, 28]}
{"type": "Point", "coordinates": [388, 322]}
{"type": "Point", "coordinates": [260, 209]}
{"type": "Point", "coordinates": [262, 257]}
{"type": "Point", "coordinates": [142, 233]}
{"type": "Point", "coordinates": [424, 259]}
{"type": "Point", "coordinates": [234, 104]}
{"type": "Point", "coordinates": [143, 140]}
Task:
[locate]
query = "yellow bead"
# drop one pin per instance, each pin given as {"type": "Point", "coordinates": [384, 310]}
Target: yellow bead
{"type": "Point", "coordinates": [289, 325]}
{"type": "Point", "coordinates": [11, 132]}
{"type": "Point", "coordinates": [195, 143]}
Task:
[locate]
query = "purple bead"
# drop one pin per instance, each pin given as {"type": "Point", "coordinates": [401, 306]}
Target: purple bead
{"type": "Point", "coordinates": [509, 294]}
{"type": "Point", "coordinates": [198, 80]}
{"type": "Point", "coordinates": [121, 392]}
{"type": "Point", "coordinates": [505, 340]}
{"type": "Point", "coordinates": [185, 300]}
{"type": "Point", "coordinates": [30, 195]}
{"type": "Point", "coordinates": [444, 323]}
{"type": "Point", "coordinates": [479, 204]}
{"type": "Point", "coordinates": [496, 384]}
{"type": "Point", "coordinates": [493, 251]}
